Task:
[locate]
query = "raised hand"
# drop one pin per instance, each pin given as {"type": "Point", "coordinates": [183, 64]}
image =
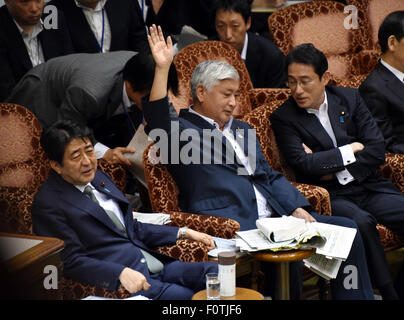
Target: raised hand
{"type": "Point", "coordinates": [162, 51]}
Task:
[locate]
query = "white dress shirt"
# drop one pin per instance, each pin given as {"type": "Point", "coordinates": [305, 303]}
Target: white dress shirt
{"type": "Point", "coordinates": [397, 73]}
{"type": "Point", "coordinates": [348, 157]}
{"type": "Point", "coordinates": [264, 209]}
{"type": "Point", "coordinates": [98, 21]}
{"type": "Point", "coordinates": [32, 43]}
{"type": "Point", "coordinates": [107, 203]}
{"type": "Point", "coordinates": [244, 51]}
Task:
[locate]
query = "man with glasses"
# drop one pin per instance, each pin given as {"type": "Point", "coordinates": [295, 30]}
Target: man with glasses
{"type": "Point", "coordinates": [330, 139]}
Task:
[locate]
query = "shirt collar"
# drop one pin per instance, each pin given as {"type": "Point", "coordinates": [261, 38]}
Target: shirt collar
{"type": "Point", "coordinates": [37, 29]}
{"type": "Point", "coordinates": [81, 188]}
{"type": "Point", "coordinates": [244, 51]}
{"type": "Point", "coordinates": [211, 121]}
{"type": "Point", "coordinates": [323, 107]}
{"type": "Point", "coordinates": [100, 5]}
{"type": "Point", "coordinates": [397, 73]}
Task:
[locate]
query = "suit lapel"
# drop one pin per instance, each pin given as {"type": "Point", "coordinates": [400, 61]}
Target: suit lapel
{"type": "Point", "coordinates": [337, 114]}
{"type": "Point", "coordinates": [78, 200]}
{"type": "Point", "coordinates": [394, 86]}
{"type": "Point", "coordinates": [113, 17]}
{"type": "Point", "coordinates": [312, 125]}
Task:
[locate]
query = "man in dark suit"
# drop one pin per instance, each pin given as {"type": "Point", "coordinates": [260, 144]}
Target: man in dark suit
{"type": "Point", "coordinates": [28, 37]}
{"type": "Point", "coordinates": [263, 59]}
{"type": "Point", "coordinates": [236, 182]}
{"type": "Point", "coordinates": [330, 139]}
{"type": "Point", "coordinates": [383, 90]}
{"type": "Point", "coordinates": [104, 245]}
{"type": "Point", "coordinates": [104, 25]}
{"type": "Point", "coordinates": [101, 90]}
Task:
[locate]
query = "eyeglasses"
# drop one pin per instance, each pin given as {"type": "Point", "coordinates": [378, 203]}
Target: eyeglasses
{"type": "Point", "coordinates": [292, 84]}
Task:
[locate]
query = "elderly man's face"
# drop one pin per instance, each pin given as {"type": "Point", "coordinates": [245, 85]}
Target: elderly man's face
{"type": "Point", "coordinates": [219, 103]}
{"type": "Point", "coordinates": [89, 3]}
{"type": "Point", "coordinates": [25, 12]}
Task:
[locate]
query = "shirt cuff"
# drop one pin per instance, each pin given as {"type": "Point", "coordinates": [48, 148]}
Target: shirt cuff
{"type": "Point", "coordinates": [100, 150]}
{"type": "Point", "coordinates": [347, 154]}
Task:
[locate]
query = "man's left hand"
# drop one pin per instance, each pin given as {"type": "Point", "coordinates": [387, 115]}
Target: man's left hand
{"type": "Point", "coordinates": [116, 155]}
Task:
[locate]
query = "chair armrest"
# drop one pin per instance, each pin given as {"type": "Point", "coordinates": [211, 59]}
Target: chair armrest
{"type": "Point", "coordinates": [186, 251]}
{"type": "Point", "coordinates": [393, 168]}
{"type": "Point", "coordinates": [318, 197]}
{"type": "Point", "coordinates": [215, 226]}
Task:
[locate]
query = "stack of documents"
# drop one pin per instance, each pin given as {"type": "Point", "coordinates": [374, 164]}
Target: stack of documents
{"type": "Point", "coordinates": [332, 243]}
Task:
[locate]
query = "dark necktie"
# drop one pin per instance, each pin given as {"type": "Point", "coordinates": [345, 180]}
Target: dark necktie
{"type": "Point", "coordinates": [153, 263]}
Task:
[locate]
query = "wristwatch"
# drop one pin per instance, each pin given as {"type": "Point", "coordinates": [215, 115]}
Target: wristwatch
{"type": "Point", "coordinates": [181, 232]}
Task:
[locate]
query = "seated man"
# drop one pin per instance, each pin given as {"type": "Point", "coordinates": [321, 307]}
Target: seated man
{"type": "Point", "coordinates": [383, 90]}
{"type": "Point", "coordinates": [98, 90]}
{"type": "Point", "coordinates": [263, 59]}
{"type": "Point", "coordinates": [104, 25]}
{"type": "Point", "coordinates": [244, 190]}
{"type": "Point", "coordinates": [104, 245]}
{"type": "Point", "coordinates": [330, 139]}
{"type": "Point", "coordinates": [25, 41]}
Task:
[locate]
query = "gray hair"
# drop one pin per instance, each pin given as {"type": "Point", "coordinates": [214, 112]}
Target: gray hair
{"type": "Point", "coordinates": [209, 73]}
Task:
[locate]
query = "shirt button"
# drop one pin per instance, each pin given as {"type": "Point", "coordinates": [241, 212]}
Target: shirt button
{"type": "Point", "coordinates": [345, 178]}
{"type": "Point", "coordinates": [143, 260]}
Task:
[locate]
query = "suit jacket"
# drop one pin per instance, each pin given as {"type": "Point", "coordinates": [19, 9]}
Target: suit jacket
{"type": "Point", "coordinates": [14, 58]}
{"type": "Point", "coordinates": [95, 250]}
{"type": "Point", "coordinates": [128, 30]}
{"type": "Point", "coordinates": [351, 121]}
{"type": "Point", "coordinates": [265, 63]}
{"type": "Point", "coordinates": [384, 96]}
{"type": "Point", "coordinates": [217, 188]}
{"type": "Point", "coordinates": [86, 88]}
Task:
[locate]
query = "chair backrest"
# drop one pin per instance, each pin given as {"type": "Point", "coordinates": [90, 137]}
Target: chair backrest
{"type": "Point", "coordinates": [163, 191]}
{"type": "Point", "coordinates": [322, 24]}
{"type": "Point", "coordinates": [371, 14]}
{"type": "Point", "coordinates": [23, 167]}
{"type": "Point", "coordinates": [269, 100]}
{"type": "Point", "coordinates": [188, 58]}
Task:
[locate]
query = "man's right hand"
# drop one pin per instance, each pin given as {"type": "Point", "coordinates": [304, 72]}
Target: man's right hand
{"type": "Point", "coordinates": [357, 146]}
{"type": "Point", "coordinates": [133, 280]}
{"type": "Point", "coordinates": [116, 155]}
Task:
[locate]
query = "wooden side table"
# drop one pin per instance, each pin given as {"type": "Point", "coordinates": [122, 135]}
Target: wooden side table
{"type": "Point", "coordinates": [282, 258]}
{"type": "Point", "coordinates": [241, 294]}
{"type": "Point", "coordinates": [23, 259]}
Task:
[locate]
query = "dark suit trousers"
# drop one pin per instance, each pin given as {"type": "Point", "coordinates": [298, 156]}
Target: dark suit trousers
{"type": "Point", "coordinates": [368, 208]}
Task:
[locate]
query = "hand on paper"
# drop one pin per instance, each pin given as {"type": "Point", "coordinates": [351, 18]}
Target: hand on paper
{"type": "Point", "coordinates": [116, 155]}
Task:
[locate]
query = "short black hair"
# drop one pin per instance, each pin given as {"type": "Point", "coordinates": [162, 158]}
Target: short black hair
{"type": "Point", "coordinates": [55, 139]}
{"type": "Point", "coordinates": [139, 72]}
{"type": "Point", "coordinates": [308, 54]}
{"type": "Point", "coordinates": [240, 6]}
{"type": "Point", "coordinates": [392, 25]}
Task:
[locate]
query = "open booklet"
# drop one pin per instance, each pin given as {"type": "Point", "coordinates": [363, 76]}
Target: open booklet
{"type": "Point", "coordinates": [332, 243]}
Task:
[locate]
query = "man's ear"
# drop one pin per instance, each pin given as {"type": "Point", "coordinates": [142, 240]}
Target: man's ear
{"type": "Point", "coordinates": [391, 43]}
{"type": "Point", "coordinates": [56, 166]}
{"type": "Point", "coordinates": [326, 77]}
{"type": "Point", "coordinates": [200, 93]}
{"type": "Point", "coordinates": [128, 87]}
{"type": "Point", "coordinates": [248, 23]}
